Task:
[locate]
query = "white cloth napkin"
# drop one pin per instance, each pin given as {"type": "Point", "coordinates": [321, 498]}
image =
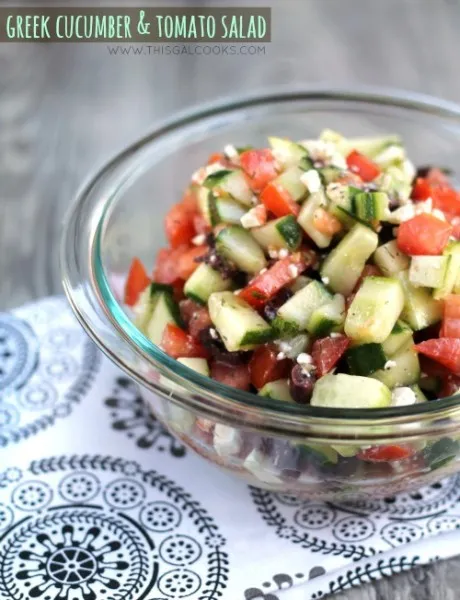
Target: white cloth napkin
{"type": "Point", "coordinates": [98, 501]}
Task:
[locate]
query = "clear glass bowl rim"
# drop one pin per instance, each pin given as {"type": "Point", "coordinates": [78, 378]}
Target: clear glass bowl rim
{"type": "Point", "coordinates": [205, 391]}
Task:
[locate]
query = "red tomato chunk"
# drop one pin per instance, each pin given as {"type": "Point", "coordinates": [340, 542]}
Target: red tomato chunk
{"type": "Point", "coordinates": [265, 367]}
{"type": "Point", "coordinates": [179, 344]}
{"type": "Point", "coordinates": [423, 235]}
{"type": "Point", "coordinates": [136, 283]}
{"type": "Point", "coordinates": [445, 351]}
{"type": "Point", "coordinates": [327, 352]}
{"type": "Point", "coordinates": [236, 376]}
{"type": "Point", "coordinates": [260, 167]}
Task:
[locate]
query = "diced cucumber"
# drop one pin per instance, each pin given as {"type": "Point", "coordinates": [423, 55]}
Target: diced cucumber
{"type": "Point", "coordinates": [366, 359]}
{"type": "Point", "coordinates": [240, 326]}
{"type": "Point", "coordinates": [420, 308]}
{"type": "Point", "coordinates": [399, 337]}
{"type": "Point", "coordinates": [306, 218]}
{"type": "Point", "coordinates": [374, 310]}
{"type": "Point", "coordinates": [418, 394]}
{"type": "Point", "coordinates": [204, 197]}
{"type": "Point", "coordinates": [372, 146]}
{"type": "Point", "coordinates": [392, 155]}
{"type": "Point", "coordinates": [320, 454]}
{"type": "Point", "coordinates": [452, 273]}
{"type": "Point", "coordinates": [146, 303]}
{"type": "Point", "coordinates": [329, 174]}
{"type": "Point", "coordinates": [290, 181]}
{"type": "Point", "coordinates": [341, 195]}
{"type": "Point", "coordinates": [279, 233]}
{"type": "Point", "coordinates": [345, 263]}
{"type": "Point", "coordinates": [293, 316]}
{"type": "Point", "coordinates": [395, 182]}
{"type": "Point", "coordinates": [203, 282]}
{"type": "Point", "coordinates": [287, 152]}
{"type": "Point", "coordinates": [328, 317]}
{"type": "Point", "coordinates": [232, 182]}
{"type": "Point", "coordinates": [200, 365]}
{"type": "Point", "coordinates": [225, 210]}
{"type": "Point", "coordinates": [371, 206]}
{"type": "Point", "coordinates": [239, 246]}
{"type": "Point", "coordinates": [428, 271]}
{"type": "Point", "coordinates": [165, 311]}
{"type": "Point", "coordinates": [404, 371]}
{"type": "Point", "coordinates": [390, 260]}
{"type": "Point", "coordinates": [301, 282]}
{"type": "Point", "coordinates": [294, 346]}
{"type": "Point", "coordinates": [350, 391]}
{"type": "Point", "coordinates": [442, 451]}
{"type": "Point", "coordinates": [345, 450]}
{"type": "Point", "coordinates": [143, 310]}
{"type": "Point", "coordinates": [277, 390]}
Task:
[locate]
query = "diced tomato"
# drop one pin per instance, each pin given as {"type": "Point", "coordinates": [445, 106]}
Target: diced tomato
{"type": "Point", "coordinates": [236, 376]}
{"type": "Point", "coordinates": [136, 283]}
{"type": "Point", "coordinates": [189, 201]}
{"type": "Point", "coordinates": [445, 351]}
{"type": "Point", "coordinates": [264, 366]}
{"type": "Point", "coordinates": [386, 453]}
{"type": "Point", "coordinates": [179, 344]}
{"type": "Point", "coordinates": [424, 234]}
{"type": "Point", "coordinates": [432, 368]}
{"type": "Point", "coordinates": [179, 225]}
{"type": "Point", "coordinates": [216, 157]}
{"type": "Point", "coordinates": [362, 166]}
{"type": "Point", "coordinates": [326, 352]}
{"type": "Point", "coordinates": [278, 200]}
{"type": "Point", "coordinates": [166, 264]}
{"type": "Point", "coordinates": [195, 316]}
{"type": "Point", "coordinates": [187, 263]}
{"type": "Point", "coordinates": [446, 199]}
{"type": "Point", "coordinates": [200, 224]}
{"type": "Point", "coordinates": [451, 321]}
{"type": "Point", "coordinates": [368, 271]}
{"type": "Point", "coordinates": [450, 385]}
{"type": "Point", "coordinates": [178, 290]}
{"type": "Point", "coordinates": [260, 167]}
{"type": "Point", "coordinates": [326, 223]}
{"type": "Point", "coordinates": [421, 189]}
{"type": "Point", "coordinates": [265, 285]}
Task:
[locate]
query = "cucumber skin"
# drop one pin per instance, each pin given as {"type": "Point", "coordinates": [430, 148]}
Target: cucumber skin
{"type": "Point", "coordinates": [160, 287]}
{"type": "Point", "coordinates": [284, 328]}
{"type": "Point", "coordinates": [255, 337]}
{"type": "Point", "coordinates": [365, 359]}
{"type": "Point", "coordinates": [215, 178]}
{"type": "Point", "coordinates": [196, 299]}
{"type": "Point", "coordinates": [290, 231]}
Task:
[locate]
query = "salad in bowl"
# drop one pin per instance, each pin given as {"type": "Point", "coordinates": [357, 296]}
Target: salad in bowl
{"type": "Point", "coordinates": [301, 325]}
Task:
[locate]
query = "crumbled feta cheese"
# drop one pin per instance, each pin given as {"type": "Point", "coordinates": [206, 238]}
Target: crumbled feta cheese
{"type": "Point", "coordinates": [324, 153]}
{"type": "Point", "coordinates": [293, 270]}
{"type": "Point", "coordinates": [403, 396]}
{"type": "Point", "coordinates": [213, 333]}
{"type": "Point", "coordinates": [227, 440]}
{"type": "Point", "coordinates": [254, 200]}
{"type": "Point", "coordinates": [311, 180]}
{"type": "Point", "coordinates": [325, 280]}
{"type": "Point", "coordinates": [251, 219]}
{"type": "Point", "coordinates": [257, 464]}
{"type": "Point", "coordinates": [423, 207]}
{"type": "Point", "coordinates": [262, 271]}
{"type": "Point", "coordinates": [283, 253]}
{"type": "Point", "coordinates": [232, 154]}
{"type": "Point", "coordinates": [389, 364]}
{"type": "Point", "coordinates": [304, 359]}
{"type": "Point", "coordinates": [280, 356]}
{"type": "Point", "coordinates": [199, 176]}
{"type": "Point", "coordinates": [438, 214]}
{"type": "Point", "coordinates": [408, 169]}
{"type": "Point", "coordinates": [335, 334]}
{"type": "Point", "coordinates": [198, 240]}
{"type": "Point", "coordinates": [273, 253]}
{"type": "Point", "coordinates": [401, 214]}
{"type": "Point", "coordinates": [236, 292]}
{"type": "Point", "coordinates": [391, 154]}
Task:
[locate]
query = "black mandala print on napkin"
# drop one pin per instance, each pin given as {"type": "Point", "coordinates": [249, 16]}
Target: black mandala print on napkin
{"type": "Point", "coordinates": [281, 582]}
{"type": "Point", "coordinates": [131, 415]}
{"type": "Point", "coordinates": [44, 370]}
{"type": "Point", "coordinates": [92, 527]}
{"type": "Point", "coordinates": [363, 528]}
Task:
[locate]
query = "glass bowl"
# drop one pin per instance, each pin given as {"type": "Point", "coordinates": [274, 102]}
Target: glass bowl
{"type": "Point", "coordinates": [290, 448]}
